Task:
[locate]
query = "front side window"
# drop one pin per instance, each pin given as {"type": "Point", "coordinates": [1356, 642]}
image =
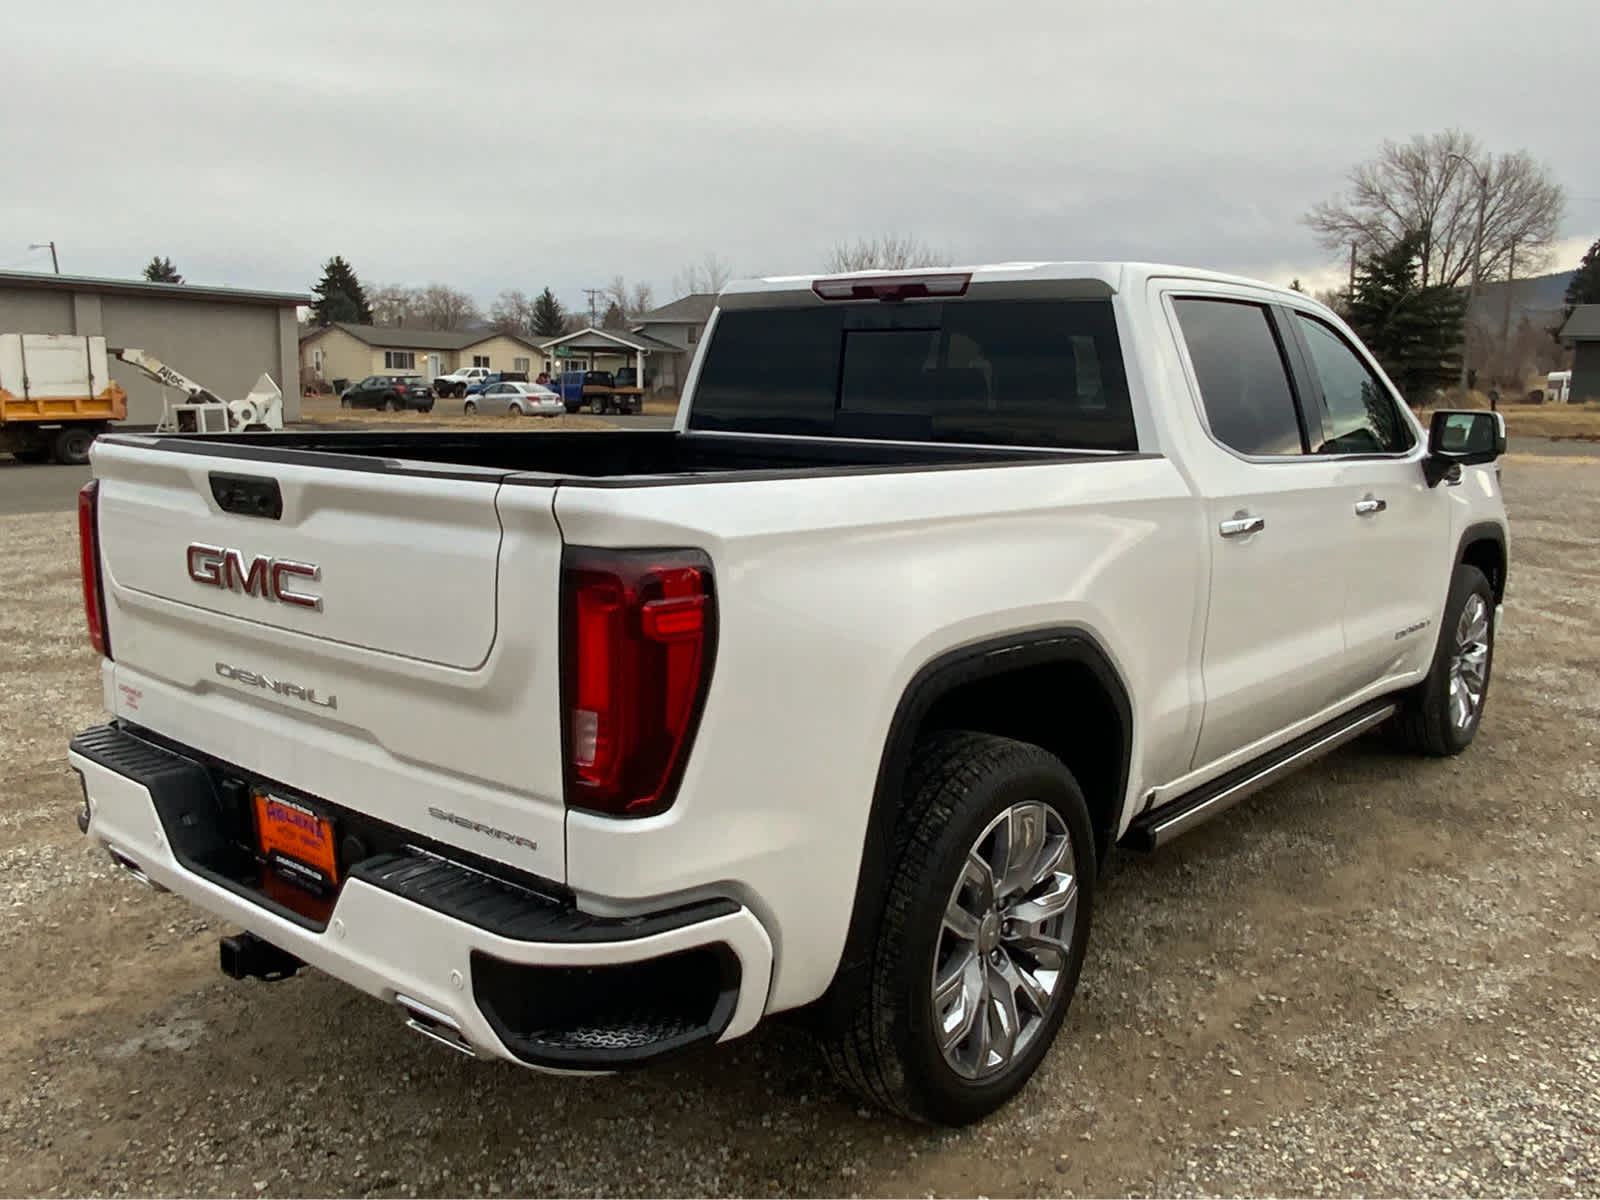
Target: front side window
{"type": "Point", "coordinates": [1244, 381]}
{"type": "Point", "coordinates": [1359, 416]}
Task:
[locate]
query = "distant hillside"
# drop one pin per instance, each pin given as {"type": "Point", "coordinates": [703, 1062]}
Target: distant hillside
{"type": "Point", "coordinates": [1540, 299]}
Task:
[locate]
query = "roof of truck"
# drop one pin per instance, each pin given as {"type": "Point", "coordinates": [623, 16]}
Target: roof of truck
{"type": "Point", "coordinates": [1110, 276]}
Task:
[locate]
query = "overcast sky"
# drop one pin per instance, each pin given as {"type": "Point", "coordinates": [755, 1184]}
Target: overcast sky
{"type": "Point", "coordinates": [492, 144]}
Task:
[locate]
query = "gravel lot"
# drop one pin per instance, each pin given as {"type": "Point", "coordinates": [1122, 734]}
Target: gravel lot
{"type": "Point", "coordinates": [1380, 977]}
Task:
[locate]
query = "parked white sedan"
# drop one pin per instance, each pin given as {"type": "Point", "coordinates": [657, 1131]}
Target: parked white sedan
{"type": "Point", "coordinates": [515, 399]}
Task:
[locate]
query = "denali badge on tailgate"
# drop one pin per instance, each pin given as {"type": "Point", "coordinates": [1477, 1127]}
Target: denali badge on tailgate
{"type": "Point", "coordinates": [281, 686]}
{"type": "Point", "coordinates": [269, 578]}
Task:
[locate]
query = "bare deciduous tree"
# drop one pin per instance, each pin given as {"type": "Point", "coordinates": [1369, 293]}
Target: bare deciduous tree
{"type": "Point", "coordinates": [444, 307]}
{"type": "Point", "coordinates": [394, 304]}
{"type": "Point", "coordinates": [1423, 186]}
{"type": "Point", "coordinates": [629, 302]}
{"type": "Point", "coordinates": [513, 312]}
{"type": "Point", "coordinates": [892, 252]}
{"type": "Point", "coordinates": [710, 274]}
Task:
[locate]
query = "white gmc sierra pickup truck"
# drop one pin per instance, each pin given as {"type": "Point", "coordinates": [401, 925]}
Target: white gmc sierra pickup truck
{"type": "Point", "coordinates": [581, 749]}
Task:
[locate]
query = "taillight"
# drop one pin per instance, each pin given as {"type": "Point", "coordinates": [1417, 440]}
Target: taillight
{"type": "Point", "coordinates": [94, 596]}
{"type": "Point", "coordinates": [638, 638]}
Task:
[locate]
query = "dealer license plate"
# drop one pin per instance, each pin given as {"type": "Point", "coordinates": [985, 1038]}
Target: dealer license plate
{"type": "Point", "coordinates": [297, 843]}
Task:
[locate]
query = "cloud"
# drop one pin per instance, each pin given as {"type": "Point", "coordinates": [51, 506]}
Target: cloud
{"type": "Point", "coordinates": [494, 144]}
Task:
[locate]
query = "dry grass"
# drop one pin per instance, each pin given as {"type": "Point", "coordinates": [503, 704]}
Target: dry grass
{"type": "Point", "coordinates": [325, 410]}
{"type": "Point", "coordinates": [1581, 421]}
{"type": "Point", "coordinates": [447, 414]}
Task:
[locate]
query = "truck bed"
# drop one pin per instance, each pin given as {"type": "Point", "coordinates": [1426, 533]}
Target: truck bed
{"type": "Point", "coordinates": [600, 459]}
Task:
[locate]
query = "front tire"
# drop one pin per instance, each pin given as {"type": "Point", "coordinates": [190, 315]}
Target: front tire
{"type": "Point", "coordinates": [471, 406]}
{"type": "Point", "coordinates": [389, 404]}
{"type": "Point", "coordinates": [1440, 717]}
{"type": "Point", "coordinates": [982, 935]}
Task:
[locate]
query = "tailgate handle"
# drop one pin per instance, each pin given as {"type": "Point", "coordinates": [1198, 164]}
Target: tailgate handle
{"type": "Point", "coordinates": [247, 495]}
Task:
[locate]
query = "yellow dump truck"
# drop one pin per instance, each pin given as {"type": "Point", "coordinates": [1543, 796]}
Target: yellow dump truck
{"type": "Point", "coordinates": [56, 395]}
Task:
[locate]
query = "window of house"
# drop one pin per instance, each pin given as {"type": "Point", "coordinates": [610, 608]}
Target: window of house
{"type": "Point", "coordinates": [399, 360]}
{"type": "Point", "coordinates": [316, 360]}
{"type": "Point", "coordinates": [519, 364]}
{"type": "Point", "coordinates": [1358, 413]}
{"type": "Point", "coordinates": [1244, 382]}
{"type": "Point", "coordinates": [691, 334]}
{"type": "Point", "coordinates": [480, 360]}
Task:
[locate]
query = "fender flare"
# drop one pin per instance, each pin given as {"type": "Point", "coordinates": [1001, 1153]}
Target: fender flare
{"type": "Point", "coordinates": [1486, 531]}
{"type": "Point", "coordinates": [934, 680]}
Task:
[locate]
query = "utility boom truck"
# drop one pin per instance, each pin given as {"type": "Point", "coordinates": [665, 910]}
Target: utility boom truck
{"type": "Point", "coordinates": [57, 396]}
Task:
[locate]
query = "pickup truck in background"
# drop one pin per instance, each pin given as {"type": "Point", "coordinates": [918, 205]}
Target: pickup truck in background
{"type": "Point", "coordinates": [598, 392]}
{"type": "Point", "coordinates": [829, 701]}
{"type": "Point", "coordinates": [458, 381]}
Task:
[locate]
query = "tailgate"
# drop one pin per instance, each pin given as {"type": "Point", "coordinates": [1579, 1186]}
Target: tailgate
{"type": "Point", "coordinates": [386, 642]}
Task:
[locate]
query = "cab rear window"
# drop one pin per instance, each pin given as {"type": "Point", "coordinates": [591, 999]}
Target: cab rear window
{"type": "Point", "coordinates": [1003, 372]}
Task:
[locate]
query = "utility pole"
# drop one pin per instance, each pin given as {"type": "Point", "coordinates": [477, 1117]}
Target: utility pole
{"type": "Point", "coordinates": [593, 294]}
{"type": "Point", "coordinates": [1511, 276]}
{"type": "Point", "coordinates": [53, 261]}
{"type": "Point", "coordinates": [1477, 260]}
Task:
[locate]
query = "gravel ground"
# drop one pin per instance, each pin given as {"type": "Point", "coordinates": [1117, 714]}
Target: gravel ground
{"type": "Point", "coordinates": [1381, 977]}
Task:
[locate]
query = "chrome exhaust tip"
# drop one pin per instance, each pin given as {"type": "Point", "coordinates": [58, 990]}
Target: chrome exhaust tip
{"type": "Point", "coordinates": [432, 1024]}
{"type": "Point", "coordinates": [132, 868]}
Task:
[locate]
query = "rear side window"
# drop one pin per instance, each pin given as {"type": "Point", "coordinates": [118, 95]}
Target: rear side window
{"type": "Point", "coordinates": [1244, 382]}
{"type": "Point", "coordinates": [1007, 372]}
{"type": "Point", "coordinates": [1358, 414]}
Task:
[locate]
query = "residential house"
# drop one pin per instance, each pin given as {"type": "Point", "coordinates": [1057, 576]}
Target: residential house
{"type": "Point", "coordinates": [1582, 332]}
{"type": "Point", "coordinates": [344, 352]}
{"type": "Point", "coordinates": [680, 325]}
{"type": "Point", "coordinates": [612, 350]}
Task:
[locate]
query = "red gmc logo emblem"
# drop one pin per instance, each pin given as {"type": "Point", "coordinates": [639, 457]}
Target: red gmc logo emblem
{"type": "Point", "coordinates": [268, 578]}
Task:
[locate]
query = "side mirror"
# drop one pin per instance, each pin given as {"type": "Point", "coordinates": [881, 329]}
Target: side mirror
{"type": "Point", "coordinates": [1462, 438]}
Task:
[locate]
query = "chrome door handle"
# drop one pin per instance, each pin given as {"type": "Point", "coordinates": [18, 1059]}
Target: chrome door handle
{"type": "Point", "coordinates": [1240, 524]}
{"type": "Point", "coordinates": [1370, 505]}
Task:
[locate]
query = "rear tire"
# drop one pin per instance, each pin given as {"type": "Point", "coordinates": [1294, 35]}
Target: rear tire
{"type": "Point", "coordinates": [597, 405]}
{"type": "Point", "coordinates": [989, 900]}
{"type": "Point", "coordinates": [1440, 717]}
{"type": "Point", "coordinates": [471, 406]}
{"type": "Point", "coordinates": [70, 446]}
{"type": "Point", "coordinates": [512, 410]}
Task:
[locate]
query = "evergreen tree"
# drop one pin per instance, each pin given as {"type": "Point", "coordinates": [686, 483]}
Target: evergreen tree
{"type": "Point", "coordinates": [1414, 331]}
{"type": "Point", "coordinates": [340, 296]}
{"type": "Point", "coordinates": [549, 318]}
{"type": "Point", "coordinates": [161, 270]}
{"type": "Point", "coordinates": [615, 318]}
{"type": "Point", "coordinates": [1584, 287]}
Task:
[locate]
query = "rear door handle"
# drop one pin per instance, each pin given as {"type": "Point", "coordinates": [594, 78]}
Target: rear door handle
{"type": "Point", "coordinates": [1240, 524]}
{"type": "Point", "coordinates": [1369, 505]}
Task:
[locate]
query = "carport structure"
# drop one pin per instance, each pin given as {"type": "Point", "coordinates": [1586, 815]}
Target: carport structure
{"type": "Point", "coordinates": [591, 345]}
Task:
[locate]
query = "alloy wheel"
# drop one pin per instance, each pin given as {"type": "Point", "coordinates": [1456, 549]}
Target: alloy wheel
{"type": "Point", "coordinates": [1005, 940]}
{"type": "Point", "coordinates": [1469, 663]}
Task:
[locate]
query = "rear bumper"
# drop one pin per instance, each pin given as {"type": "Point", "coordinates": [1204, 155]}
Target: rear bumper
{"type": "Point", "coordinates": [494, 968]}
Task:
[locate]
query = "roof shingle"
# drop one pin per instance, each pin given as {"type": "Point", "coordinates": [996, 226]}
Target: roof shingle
{"type": "Point", "coordinates": [1583, 325]}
